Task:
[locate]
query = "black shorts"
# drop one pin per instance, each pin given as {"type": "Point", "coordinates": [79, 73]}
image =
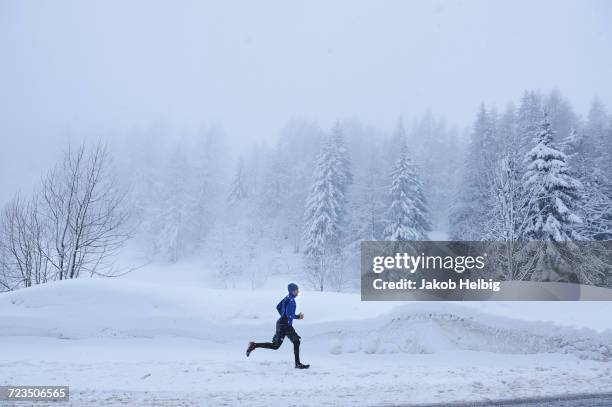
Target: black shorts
{"type": "Point", "coordinates": [284, 329]}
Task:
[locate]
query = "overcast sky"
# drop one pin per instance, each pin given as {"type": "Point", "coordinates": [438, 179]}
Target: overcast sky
{"type": "Point", "coordinates": [105, 67]}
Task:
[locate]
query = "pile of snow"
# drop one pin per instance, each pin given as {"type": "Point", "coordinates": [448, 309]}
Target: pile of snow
{"type": "Point", "coordinates": [433, 328]}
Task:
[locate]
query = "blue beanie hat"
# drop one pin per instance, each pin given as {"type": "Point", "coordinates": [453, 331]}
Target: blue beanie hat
{"type": "Point", "coordinates": [292, 287]}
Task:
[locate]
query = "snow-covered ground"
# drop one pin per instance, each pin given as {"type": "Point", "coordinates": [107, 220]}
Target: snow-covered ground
{"type": "Point", "coordinates": [121, 341]}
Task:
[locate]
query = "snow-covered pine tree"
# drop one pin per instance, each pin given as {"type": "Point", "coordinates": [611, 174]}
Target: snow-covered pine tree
{"type": "Point", "coordinates": [552, 216]}
{"type": "Point", "coordinates": [506, 210]}
{"type": "Point", "coordinates": [368, 207]}
{"type": "Point", "coordinates": [324, 216]}
{"type": "Point", "coordinates": [210, 177]}
{"type": "Point", "coordinates": [560, 113]}
{"type": "Point", "coordinates": [470, 207]}
{"type": "Point", "coordinates": [365, 196]}
{"type": "Point", "coordinates": [598, 135]}
{"type": "Point", "coordinates": [596, 206]}
{"type": "Point", "coordinates": [529, 116]}
{"type": "Point", "coordinates": [286, 181]}
{"type": "Point", "coordinates": [506, 133]}
{"type": "Point", "coordinates": [435, 147]}
{"type": "Point", "coordinates": [572, 145]}
{"type": "Point", "coordinates": [597, 129]}
{"type": "Point", "coordinates": [238, 191]}
{"type": "Point", "coordinates": [501, 222]}
{"type": "Point", "coordinates": [553, 189]}
{"type": "Point", "coordinates": [397, 138]}
{"type": "Point", "coordinates": [408, 215]}
{"type": "Point", "coordinates": [174, 228]}
{"type": "Point", "coordinates": [344, 163]}
{"type": "Point", "coordinates": [506, 215]}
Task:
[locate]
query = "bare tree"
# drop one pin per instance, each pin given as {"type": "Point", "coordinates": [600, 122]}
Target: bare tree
{"type": "Point", "coordinates": [5, 282]}
{"type": "Point", "coordinates": [85, 214]}
{"type": "Point", "coordinates": [22, 245]}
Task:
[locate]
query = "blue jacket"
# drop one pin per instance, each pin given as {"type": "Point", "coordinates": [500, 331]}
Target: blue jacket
{"type": "Point", "coordinates": [286, 308]}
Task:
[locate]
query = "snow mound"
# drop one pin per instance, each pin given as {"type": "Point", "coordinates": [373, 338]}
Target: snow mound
{"type": "Point", "coordinates": [431, 328]}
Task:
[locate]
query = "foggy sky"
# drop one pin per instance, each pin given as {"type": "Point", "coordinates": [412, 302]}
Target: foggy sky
{"type": "Point", "coordinates": [103, 68]}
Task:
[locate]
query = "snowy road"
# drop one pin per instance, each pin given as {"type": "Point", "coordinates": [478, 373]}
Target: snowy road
{"type": "Point", "coordinates": [583, 400]}
{"type": "Point", "coordinates": [179, 372]}
{"type": "Point", "coordinates": [152, 399]}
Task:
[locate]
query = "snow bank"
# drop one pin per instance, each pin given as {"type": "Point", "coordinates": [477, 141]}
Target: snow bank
{"type": "Point", "coordinates": [431, 328]}
{"type": "Point", "coordinates": [340, 323]}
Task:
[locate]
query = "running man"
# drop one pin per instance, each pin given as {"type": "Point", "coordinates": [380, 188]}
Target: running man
{"type": "Point", "coordinates": [284, 327]}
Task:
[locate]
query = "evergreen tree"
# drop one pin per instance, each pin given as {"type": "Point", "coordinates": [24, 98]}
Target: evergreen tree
{"type": "Point", "coordinates": [554, 190]}
{"type": "Point", "coordinates": [398, 138]}
{"type": "Point", "coordinates": [552, 217]}
{"type": "Point", "coordinates": [561, 115]}
{"type": "Point", "coordinates": [573, 145]}
{"type": "Point", "coordinates": [345, 176]}
{"type": "Point", "coordinates": [369, 207]}
{"type": "Point", "coordinates": [597, 128]}
{"type": "Point", "coordinates": [506, 132]}
{"type": "Point", "coordinates": [286, 179]}
{"type": "Point", "coordinates": [529, 116]}
{"type": "Point", "coordinates": [554, 220]}
{"type": "Point", "coordinates": [175, 232]}
{"type": "Point", "coordinates": [210, 177]}
{"type": "Point", "coordinates": [408, 215]}
{"type": "Point", "coordinates": [238, 191]}
{"type": "Point", "coordinates": [470, 207]}
{"type": "Point", "coordinates": [325, 213]}
{"type": "Point", "coordinates": [598, 138]}
{"type": "Point", "coordinates": [366, 194]}
{"type": "Point", "coordinates": [507, 192]}
{"type": "Point", "coordinates": [596, 206]}
{"type": "Point", "coordinates": [506, 195]}
{"type": "Point", "coordinates": [435, 147]}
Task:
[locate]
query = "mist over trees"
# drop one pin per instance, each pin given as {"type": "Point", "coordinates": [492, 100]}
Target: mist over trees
{"type": "Point", "coordinates": [535, 170]}
{"type": "Point", "coordinates": [298, 207]}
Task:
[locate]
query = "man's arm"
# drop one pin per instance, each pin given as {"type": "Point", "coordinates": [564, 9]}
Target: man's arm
{"type": "Point", "coordinates": [291, 311]}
